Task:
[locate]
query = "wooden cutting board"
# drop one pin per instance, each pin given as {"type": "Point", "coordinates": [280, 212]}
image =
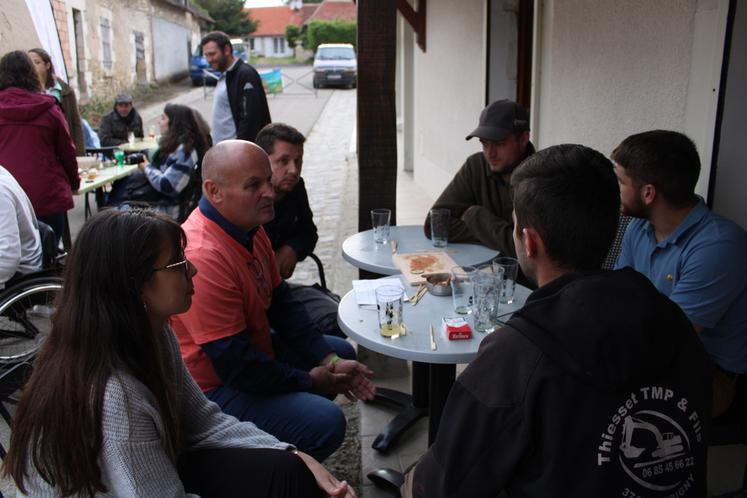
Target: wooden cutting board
{"type": "Point", "coordinates": [414, 265]}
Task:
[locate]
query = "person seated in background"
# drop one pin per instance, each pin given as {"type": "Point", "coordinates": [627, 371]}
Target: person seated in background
{"type": "Point", "coordinates": [479, 196]}
{"type": "Point", "coordinates": [92, 140]}
{"type": "Point", "coordinates": [160, 181]}
{"type": "Point", "coordinates": [120, 121]}
{"type": "Point", "coordinates": [693, 256]}
{"type": "Point", "coordinates": [247, 342]}
{"type": "Point", "coordinates": [597, 386]}
{"type": "Point", "coordinates": [20, 242]}
{"type": "Point", "coordinates": [54, 86]}
{"type": "Point", "coordinates": [35, 145]}
{"type": "Point", "coordinates": [110, 409]}
{"type": "Point", "coordinates": [292, 231]}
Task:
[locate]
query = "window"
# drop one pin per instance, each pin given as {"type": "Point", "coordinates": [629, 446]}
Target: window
{"type": "Point", "coordinates": [278, 45]}
{"type": "Point", "coordinates": [106, 44]}
{"type": "Point", "coordinates": [251, 43]}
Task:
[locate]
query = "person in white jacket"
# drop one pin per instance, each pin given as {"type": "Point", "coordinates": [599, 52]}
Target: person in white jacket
{"type": "Point", "coordinates": [20, 242]}
{"type": "Point", "coordinates": [110, 409]}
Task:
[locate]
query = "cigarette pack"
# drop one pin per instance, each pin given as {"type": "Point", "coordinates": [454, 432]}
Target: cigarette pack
{"type": "Point", "coordinates": [457, 329]}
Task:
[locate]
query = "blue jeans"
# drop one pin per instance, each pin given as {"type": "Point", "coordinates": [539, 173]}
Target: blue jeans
{"type": "Point", "coordinates": [310, 422]}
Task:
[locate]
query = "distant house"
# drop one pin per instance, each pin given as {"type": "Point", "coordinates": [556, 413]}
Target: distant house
{"type": "Point", "coordinates": [269, 38]}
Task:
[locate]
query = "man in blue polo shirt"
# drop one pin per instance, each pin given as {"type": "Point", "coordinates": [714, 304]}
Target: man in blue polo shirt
{"type": "Point", "coordinates": [693, 256]}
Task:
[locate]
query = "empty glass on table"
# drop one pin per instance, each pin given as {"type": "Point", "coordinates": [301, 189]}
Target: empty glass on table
{"type": "Point", "coordinates": [462, 291]}
{"type": "Point", "coordinates": [380, 219]}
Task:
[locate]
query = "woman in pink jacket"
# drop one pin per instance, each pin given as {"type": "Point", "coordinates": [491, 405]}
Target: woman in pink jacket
{"type": "Point", "coordinates": [35, 144]}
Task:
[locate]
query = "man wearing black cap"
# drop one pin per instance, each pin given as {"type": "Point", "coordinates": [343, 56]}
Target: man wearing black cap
{"type": "Point", "coordinates": [122, 120]}
{"type": "Point", "coordinates": [479, 195]}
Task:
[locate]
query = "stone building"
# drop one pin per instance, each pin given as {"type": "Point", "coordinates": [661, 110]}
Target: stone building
{"type": "Point", "coordinates": [109, 45]}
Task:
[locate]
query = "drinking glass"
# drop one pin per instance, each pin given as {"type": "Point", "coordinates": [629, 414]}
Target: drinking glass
{"type": "Point", "coordinates": [440, 226]}
{"type": "Point", "coordinates": [510, 268]}
{"type": "Point", "coordinates": [487, 289]}
{"type": "Point", "coordinates": [389, 299]}
{"type": "Point", "coordinates": [380, 221]}
{"type": "Point", "coordinates": [131, 138]}
{"type": "Point", "coordinates": [462, 288]}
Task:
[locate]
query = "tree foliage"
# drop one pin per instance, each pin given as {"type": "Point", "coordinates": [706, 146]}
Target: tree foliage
{"type": "Point", "coordinates": [292, 34]}
{"type": "Point", "coordinates": [230, 16]}
{"type": "Point", "coordinates": [318, 32]}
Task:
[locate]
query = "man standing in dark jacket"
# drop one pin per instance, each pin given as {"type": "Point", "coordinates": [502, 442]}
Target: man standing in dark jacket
{"type": "Point", "coordinates": [479, 196]}
{"type": "Point", "coordinates": [239, 104]}
{"type": "Point", "coordinates": [598, 386]}
{"type": "Point", "coordinates": [122, 120]}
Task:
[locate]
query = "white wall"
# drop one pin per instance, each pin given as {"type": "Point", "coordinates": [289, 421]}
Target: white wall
{"type": "Point", "coordinates": [605, 69]}
{"type": "Point", "coordinates": [170, 53]}
{"type": "Point", "coordinates": [448, 90]}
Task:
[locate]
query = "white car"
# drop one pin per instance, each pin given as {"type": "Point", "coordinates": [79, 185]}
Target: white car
{"type": "Point", "coordinates": [335, 64]}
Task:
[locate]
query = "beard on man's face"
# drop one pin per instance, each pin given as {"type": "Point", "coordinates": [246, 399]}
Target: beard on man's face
{"type": "Point", "coordinates": [637, 208]}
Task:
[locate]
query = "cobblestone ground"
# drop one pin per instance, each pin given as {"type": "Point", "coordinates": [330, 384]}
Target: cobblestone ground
{"type": "Point", "coordinates": [331, 175]}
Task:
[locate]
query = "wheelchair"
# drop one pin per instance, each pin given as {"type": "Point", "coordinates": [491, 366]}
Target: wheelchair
{"type": "Point", "coordinates": [27, 304]}
{"type": "Point", "coordinates": [26, 307]}
{"type": "Point", "coordinates": [25, 316]}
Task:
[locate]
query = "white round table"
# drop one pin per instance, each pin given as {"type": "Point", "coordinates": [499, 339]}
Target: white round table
{"type": "Point", "coordinates": [361, 325]}
{"type": "Point", "coordinates": [361, 251]}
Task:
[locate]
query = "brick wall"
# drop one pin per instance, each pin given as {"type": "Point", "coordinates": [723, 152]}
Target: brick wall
{"type": "Point", "coordinates": [60, 17]}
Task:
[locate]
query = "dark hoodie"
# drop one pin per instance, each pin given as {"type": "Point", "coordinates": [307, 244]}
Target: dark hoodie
{"type": "Point", "coordinates": [35, 146]}
{"type": "Point", "coordinates": [598, 386]}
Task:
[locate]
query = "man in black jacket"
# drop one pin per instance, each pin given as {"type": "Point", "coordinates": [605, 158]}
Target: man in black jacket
{"type": "Point", "coordinates": [123, 119]}
{"type": "Point", "coordinates": [598, 386]}
{"type": "Point", "coordinates": [239, 104]}
{"type": "Point", "coordinates": [292, 231]}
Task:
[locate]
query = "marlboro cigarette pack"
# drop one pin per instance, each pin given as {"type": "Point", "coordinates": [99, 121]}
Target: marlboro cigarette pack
{"type": "Point", "coordinates": [457, 329]}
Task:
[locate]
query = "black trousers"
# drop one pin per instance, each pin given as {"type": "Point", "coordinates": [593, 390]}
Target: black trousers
{"type": "Point", "coordinates": [321, 306]}
{"type": "Point", "coordinates": [246, 473]}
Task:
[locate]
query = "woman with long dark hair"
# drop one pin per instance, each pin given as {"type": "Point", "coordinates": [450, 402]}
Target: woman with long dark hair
{"type": "Point", "coordinates": [110, 409]}
{"type": "Point", "coordinates": [183, 143]}
{"type": "Point", "coordinates": [35, 145]}
{"type": "Point", "coordinates": [54, 86]}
